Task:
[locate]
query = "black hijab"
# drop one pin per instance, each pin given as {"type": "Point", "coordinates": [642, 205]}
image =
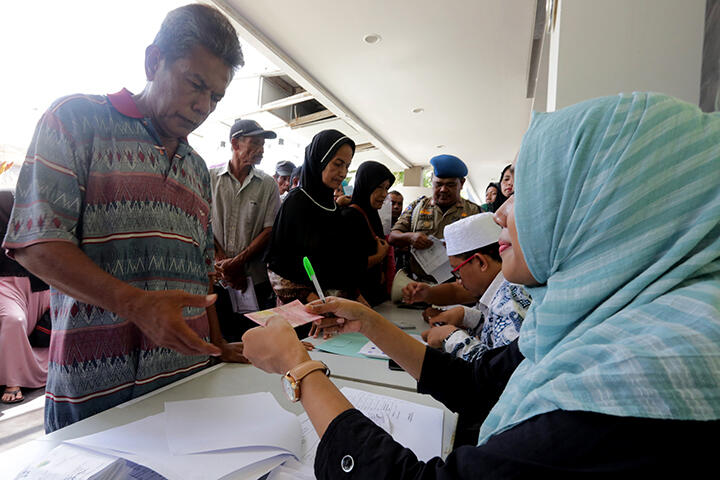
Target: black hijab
{"type": "Point", "coordinates": [310, 224]}
{"type": "Point", "coordinates": [369, 176]}
{"type": "Point", "coordinates": [500, 198]}
{"type": "Point", "coordinates": [318, 154]}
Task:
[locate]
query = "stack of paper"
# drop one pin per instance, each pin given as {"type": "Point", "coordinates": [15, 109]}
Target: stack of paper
{"type": "Point", "coordinates": [417, 427]}
{"type": "Point", "coordinates": [243, 435]}
{"type": "Point", "coordinates": [294, 312]}
{"type": "Point", "coordinates": [69, 462]}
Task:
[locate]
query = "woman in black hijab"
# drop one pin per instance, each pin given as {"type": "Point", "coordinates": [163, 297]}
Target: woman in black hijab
{"type": "Point", "coordinates": [506, 188]}
{"type": "Point", "coordinates": [372, 182]}
{"type": "Point", "coordinates": [310, 224]}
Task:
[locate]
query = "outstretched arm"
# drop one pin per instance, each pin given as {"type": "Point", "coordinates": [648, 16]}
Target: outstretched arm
{"type": "Point", "coordinates": [158, 314]}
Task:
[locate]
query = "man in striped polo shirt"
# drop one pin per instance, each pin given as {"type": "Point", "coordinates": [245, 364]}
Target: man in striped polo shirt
{"type": "Point", "coordinates": [113, 211]}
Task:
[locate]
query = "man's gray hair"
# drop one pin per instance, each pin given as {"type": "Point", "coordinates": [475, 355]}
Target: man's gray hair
{"type": "Point", "coordinates": [191, 25]}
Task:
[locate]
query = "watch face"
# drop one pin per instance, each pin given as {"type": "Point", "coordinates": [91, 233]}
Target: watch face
{"type": "Point", "coordinates": [287, 386]}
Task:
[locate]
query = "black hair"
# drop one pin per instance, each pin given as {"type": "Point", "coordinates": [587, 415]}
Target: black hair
{"type": "Point", "coordinates": [494, 185]}
{"type": "Point", "coordinates": [502, 174]}
{"type": "Point", "coordinates": [500, 198]}
{"type": "Point", "coordinates": [492, 251]}
{"type": "Point", "coordinates": [191, 25]}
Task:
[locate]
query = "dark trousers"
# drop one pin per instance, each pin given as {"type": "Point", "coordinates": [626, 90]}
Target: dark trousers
{"type": "Point", "coordinates": [233, 325]}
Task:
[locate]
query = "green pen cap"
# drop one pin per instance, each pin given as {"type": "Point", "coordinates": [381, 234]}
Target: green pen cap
{"type": "Point", "coordinates": [308, 267]}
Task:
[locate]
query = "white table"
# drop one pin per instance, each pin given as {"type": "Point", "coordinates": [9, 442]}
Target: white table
{"type": "Point", "coordinates": [374, 371]}
{"type": "Point", "coordinates": [221, 380]}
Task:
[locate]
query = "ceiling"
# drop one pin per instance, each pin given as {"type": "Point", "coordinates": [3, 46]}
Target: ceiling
{"type": "Point", "coordinates": [465, 63]}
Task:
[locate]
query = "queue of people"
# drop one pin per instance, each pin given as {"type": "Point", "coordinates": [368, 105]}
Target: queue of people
{"type": "Point", "coordinates": [587, 338]}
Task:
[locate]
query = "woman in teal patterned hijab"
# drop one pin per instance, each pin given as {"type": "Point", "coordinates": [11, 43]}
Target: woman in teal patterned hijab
{"type": "Point", "coordinates": [617, 215]}
{"type": "Point", "coordinates": [615, 227]}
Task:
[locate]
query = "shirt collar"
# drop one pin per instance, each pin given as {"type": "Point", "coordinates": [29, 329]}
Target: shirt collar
{"type": "Point", "coordinates": [124, 103]}
{"type": "Point", "coordinates": [225, 169]}
{"type": "Point", "coordinates": [492, 289]}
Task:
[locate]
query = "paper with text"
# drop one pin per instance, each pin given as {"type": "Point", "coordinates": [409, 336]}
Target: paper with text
{"type": "Point", "coordinates": [434, 260]}
{"type": "Point", "coordinates": [371, 350]}
{"type": "Point", "coordinates": [417, 427]}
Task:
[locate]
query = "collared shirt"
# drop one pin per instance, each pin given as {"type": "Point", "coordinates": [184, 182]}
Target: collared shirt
{"type": "Point", "coordinates": [241, 211]}
{"type": "Point", "coordinates": [495, 320]}
{"type": "Point", "coordinates": [97, 176]}
{"type": "Point", "coordinates": [424, 216]}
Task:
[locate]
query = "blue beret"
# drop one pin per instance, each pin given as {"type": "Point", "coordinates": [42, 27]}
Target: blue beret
{"type": "Point", "coordinates": [448, 166]}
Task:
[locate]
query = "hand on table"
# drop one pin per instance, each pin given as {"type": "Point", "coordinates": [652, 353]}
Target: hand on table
{"type": "Point", "coordinates": [415, 292]}
{"type": "Point", "coordinates": [158, 314]}
{"type": "Point", "coordinates": [453, 316]}
{"type": "Point", "coordinates": [435, 336]}
{"type": "Point", "coordinates": [232, 352]}
{"type": "Point", "coordinates": [431, 312]}
{"type": "Point", "coordinates": [275, 347]}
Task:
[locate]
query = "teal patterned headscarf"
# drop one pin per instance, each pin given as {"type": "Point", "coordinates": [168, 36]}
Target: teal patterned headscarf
{"type": "Point", "coordinates": [617, 208]}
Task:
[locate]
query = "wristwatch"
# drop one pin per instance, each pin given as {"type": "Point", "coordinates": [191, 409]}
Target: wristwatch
{"type": "Point", "coordinates": [291, 380]}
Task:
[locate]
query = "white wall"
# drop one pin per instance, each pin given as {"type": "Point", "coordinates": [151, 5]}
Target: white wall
{"type": "Point", "coordinates": [611, 46]}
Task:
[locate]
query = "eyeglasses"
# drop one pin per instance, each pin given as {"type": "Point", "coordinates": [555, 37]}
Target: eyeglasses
{"type": "Point", "coordinates": [456, 271]}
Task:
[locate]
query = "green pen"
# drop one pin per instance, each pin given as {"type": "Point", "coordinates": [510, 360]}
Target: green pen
{"type": "Point", "coordinates": [313, 278]}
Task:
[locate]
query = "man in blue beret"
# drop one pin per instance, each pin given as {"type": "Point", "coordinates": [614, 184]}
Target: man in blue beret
{"type": "Point", "coordinates": [429, 216]}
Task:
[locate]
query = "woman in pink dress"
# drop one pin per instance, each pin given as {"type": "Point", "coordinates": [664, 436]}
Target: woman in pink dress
{"type": "Point", "coordinates": [23, 300]}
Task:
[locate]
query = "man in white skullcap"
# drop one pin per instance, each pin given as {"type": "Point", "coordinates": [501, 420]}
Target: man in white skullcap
{"type": "Point", "coordinates": [473, 250]}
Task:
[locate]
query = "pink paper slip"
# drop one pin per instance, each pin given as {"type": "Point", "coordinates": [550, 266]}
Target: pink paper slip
{"type": "Point", "coordinates": [294, 312]}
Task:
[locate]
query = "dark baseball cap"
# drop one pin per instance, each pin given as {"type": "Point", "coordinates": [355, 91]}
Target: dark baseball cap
{"type": "Point", "coordinates": [284, 168]}
{"type": "Point", "coordinates": [249, 128]}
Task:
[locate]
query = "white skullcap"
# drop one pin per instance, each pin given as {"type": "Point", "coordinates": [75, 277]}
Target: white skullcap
{"type": "Point", "coordinates": [471, 233]}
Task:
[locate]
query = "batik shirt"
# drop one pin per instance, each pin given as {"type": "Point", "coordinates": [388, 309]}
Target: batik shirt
{"type": "Point", "coordinates": [495, 320]}
{"type": "Point", "coordinates": [97, 176]}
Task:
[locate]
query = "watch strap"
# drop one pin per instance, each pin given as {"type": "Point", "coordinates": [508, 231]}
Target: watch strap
{"type": "Point", "coordinates": [305, 368]}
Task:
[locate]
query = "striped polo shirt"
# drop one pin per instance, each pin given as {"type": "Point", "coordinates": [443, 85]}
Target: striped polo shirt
{"type": "Point", "coordinates": [97, 175]}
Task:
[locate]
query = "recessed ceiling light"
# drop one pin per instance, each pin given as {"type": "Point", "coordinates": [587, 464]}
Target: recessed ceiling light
{"type": "Point", "coordinates": [372, 38]}
{"type": "Point", "coordinates": [418, 110]}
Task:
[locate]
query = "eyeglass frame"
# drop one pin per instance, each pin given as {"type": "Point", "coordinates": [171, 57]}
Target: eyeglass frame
{"type": "Point", "coordinates": [456, 271]}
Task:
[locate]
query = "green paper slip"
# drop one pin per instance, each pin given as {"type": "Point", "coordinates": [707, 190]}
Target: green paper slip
{"type": "Point", "coordinates": [348, 344]}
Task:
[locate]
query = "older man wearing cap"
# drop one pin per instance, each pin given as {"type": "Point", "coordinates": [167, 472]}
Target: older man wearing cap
{"type": "Point", "coordinates": [283, 171]}
{"type": "Point", "coordinates": [472, 246]}
{"type": "Point", "coordinates": [245, 201]}
{"type": "Point", "coordinates": [428, 216]}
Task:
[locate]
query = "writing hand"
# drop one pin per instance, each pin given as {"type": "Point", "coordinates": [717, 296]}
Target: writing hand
{"type": "Point", "coordinates": [415, 292]}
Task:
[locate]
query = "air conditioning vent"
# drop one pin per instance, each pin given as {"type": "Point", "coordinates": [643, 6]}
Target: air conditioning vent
{"type": "Point", "coordinates": [284, 98]}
